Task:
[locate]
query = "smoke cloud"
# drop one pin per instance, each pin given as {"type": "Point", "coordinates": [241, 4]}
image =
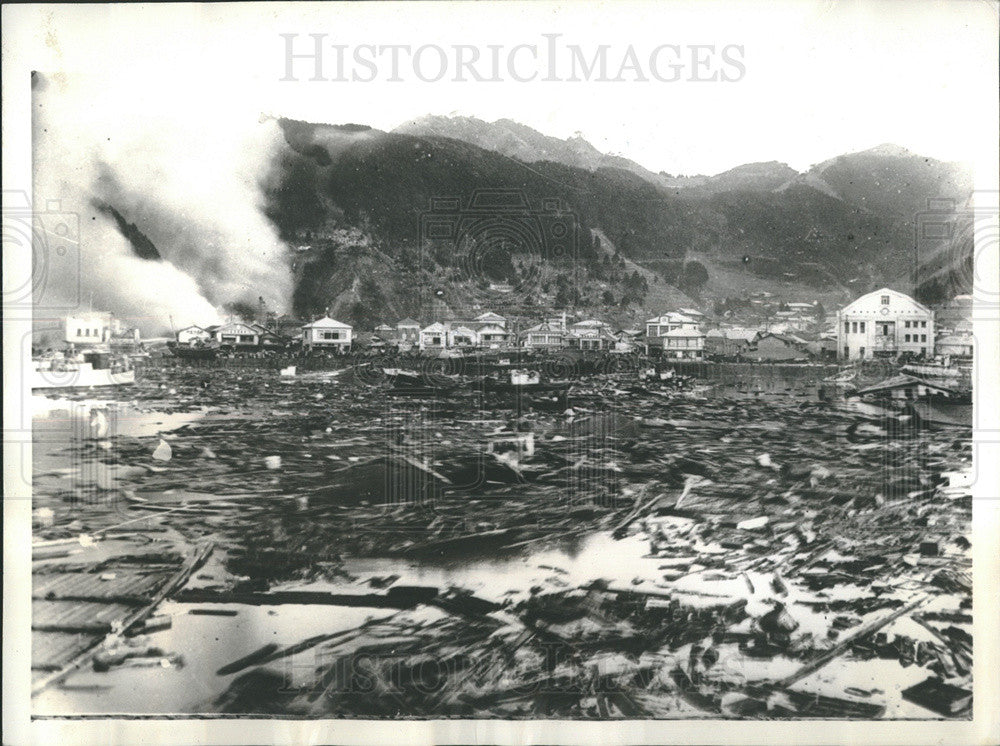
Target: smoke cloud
{"type": "Point", "coordinates": [186, 177]}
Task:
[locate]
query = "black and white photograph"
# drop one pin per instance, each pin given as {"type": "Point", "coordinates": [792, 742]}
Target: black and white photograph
{"type": "Point", "coordinates": [508, 371]}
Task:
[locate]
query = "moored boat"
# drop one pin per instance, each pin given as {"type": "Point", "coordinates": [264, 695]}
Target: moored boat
{"type": "Point", "coordinates": [90, 370]}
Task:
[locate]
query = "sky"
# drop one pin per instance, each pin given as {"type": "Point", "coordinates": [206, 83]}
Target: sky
{"type": "Point", "coordinates": [818, 79]}
{"type": "Point", "coordinates": [168, 111]}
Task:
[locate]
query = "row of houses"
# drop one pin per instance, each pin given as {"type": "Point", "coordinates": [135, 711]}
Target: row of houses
{"type": "Point", "coordinates": [324, 333]}
{"type": "Point", "coordinates": [883, 323]}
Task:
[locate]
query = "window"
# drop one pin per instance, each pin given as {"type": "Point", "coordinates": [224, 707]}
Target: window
{"type": "Point", "coordinates": [847, 327]}
{"type": "Point", "coordinates": [923, 337]}
{"type": "Point", "coordinates": [862, 327]}
{"type": "Point", "coordinates": [854, 326]}
{"type": "Point", "coordinates": [885, 300]}
{"type": "Point", "coordinates": [847, 351]}
{"type": "Point", "coordinates": [906, 324]}
{"type": "Point", "coordinates": [906, 338]}
{"type": "Point", "coordinates": [923, 350]}
{"type": "Point", "coordinates": [331, 336]}
{"type": "Point", "coordinates": [79, 332]}
{"type": "Point", "coordinates": [861, 352]}
{"type": "Point", "coordinates": [923, 324]}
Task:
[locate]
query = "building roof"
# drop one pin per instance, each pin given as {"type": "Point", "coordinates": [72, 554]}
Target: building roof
{"type": "Point", "coordinates": [885, 291]}
{"type": "Point", "coordinates": [407, 322]}
{"type": "Point", "coordinates": [902, 381]}
{"type": "Point", "coordinates": [689, 333]}
{"type": "Point", "coordinates": [237, 325]}
{"type": "Point", "coordinates": [436, 327]}
{"type": "Point", "coordinates": [546, 327]}
{"type": "Point", "coordinates": [672, 317]}
{"type": "Point", "coordinates": [326, 323]}
{"type": "Point", "coordinates": [490, 316]}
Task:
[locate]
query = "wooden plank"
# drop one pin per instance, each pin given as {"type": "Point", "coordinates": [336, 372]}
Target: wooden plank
{"type": "Point", "coordinates": [817, 663]}
{"type": "Point", "coordinates": [181, 577]}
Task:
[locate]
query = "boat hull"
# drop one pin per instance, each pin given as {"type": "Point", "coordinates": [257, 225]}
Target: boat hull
{"type": "Point", "coordinates": [80, 379]}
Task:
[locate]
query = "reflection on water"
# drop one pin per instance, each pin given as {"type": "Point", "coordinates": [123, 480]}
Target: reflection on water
{"type": "Point", "coordinates": [297, 482]}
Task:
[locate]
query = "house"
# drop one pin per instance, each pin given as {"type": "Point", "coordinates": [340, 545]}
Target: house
{"type": "Point", "coordinates": [884, 323]}
{"type": "Point", "coordinates": [193, 336]}
{"type": "Point", "coordinates": [384, 335]}
{"type": "Point", "coordinates": [906, 387]}
{"type": "Point", "coordinates": [683, 344]}
{"type": "Point", "coordinates": [288, 326]}
{"type": "Point", "coordinates": [236, 334]}
{"type": "Point", "coordinates": [772, 347]}
{"type": "Point", "coordinates": [668, 322]}
{"type": "Point", "coordinates": [87, 328]}
{"type": "Point", "coordinates": [493, 336]}
{"type": "Point", "coordinates": [627, 340]}
{"type": "Point", "coordinates": [433, 337]}
{"type": "Point", "coordinates": [589, 335]}
{"type": "Point", "coordinates": [955, 345]}
{"type": "Point", "coordinates": [824, 348]}
{"type": "Point", "coordinates": [327, 333]}
{"type": "Point", "coordinates": [408, 331]}
{"type": "Point", "coordinates": [269, 339]}
{"type": "Point", "coordinates": [692, 313]}
{"type": "Point", "coordinates": [545, 336]}
{"type": "Point", "coordinates": [461, 336]}
{"type": "Point", "coordinates": [490, 318]}
{"type": "Point", "coordinates": [729, 342]}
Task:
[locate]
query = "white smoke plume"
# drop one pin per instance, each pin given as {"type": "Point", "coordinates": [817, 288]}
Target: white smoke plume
{"type": "Point", "coordinates": [187, 178]}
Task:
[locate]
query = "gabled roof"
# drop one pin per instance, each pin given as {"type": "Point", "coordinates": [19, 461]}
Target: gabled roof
{"type": "Point", "coordinates": [547, 328]}
{"type": "Point", "coordinates": [193, 326]}
{"type": "Point", "coordinates": [672, 317]}
{"type": "Point", "coordinates": [237, 325]}
{"type": "Point", "coordinates": [326, 323]}
{"type": "Point", "coordinates": [902, 381]}
{"type": "Point", "coordinates": [436, 327]}
{"type": "Point", "coordinates": [886, 291]}
{"type": "Point", "coordinates": [407, 322]}
{"type": "Point", "coordinates": [490, 316]}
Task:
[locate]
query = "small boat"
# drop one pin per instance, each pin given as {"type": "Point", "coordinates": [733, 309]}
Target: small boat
{"type": "Point", "coordinates": [945, 414]}
{"type": "Point", "coordinates": [185, 352]}
{"type": "Point", "coordinates": [412, 383]}
{"type": "Point", "coordinates": [89, 370]}
{"type": "Point", "coordinates": [523, 382]}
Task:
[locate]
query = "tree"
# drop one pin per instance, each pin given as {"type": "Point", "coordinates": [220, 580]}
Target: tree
{"type": "Point", "coordinates": [693, 276]}
{"type": "Point", "coordinates": [608, 298]}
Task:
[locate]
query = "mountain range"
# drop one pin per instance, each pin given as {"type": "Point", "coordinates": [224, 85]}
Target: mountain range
{"type": "Point", "coordinates": [359, 205]}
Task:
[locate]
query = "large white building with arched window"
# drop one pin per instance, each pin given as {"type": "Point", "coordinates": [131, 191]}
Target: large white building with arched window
{"type": "Point", "coordinates": [884, 323]}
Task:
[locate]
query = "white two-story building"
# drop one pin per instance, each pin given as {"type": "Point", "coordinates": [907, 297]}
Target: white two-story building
{"type": "Point", "coordinates": [884, 323]}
